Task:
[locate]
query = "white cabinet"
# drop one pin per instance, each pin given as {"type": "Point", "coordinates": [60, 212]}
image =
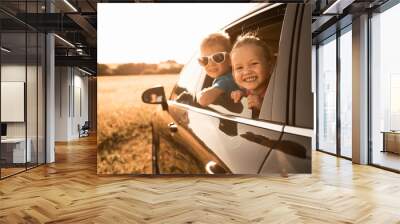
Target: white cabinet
{"type": "Point", "coordinates": [17, 146]}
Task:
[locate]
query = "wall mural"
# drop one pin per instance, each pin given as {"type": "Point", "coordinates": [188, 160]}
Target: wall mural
{"type": "Point", "coordinates": [180, 95]}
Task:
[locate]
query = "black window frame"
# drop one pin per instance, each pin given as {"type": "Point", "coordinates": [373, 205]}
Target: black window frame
{"type": "Point", "coordinates": [346, 24]}
{"type": "Point", "coordinates": [26, 29]}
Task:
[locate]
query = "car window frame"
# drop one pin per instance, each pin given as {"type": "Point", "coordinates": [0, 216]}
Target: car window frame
{"type": "Point", "coordinates": [271, 125]}
{"type": "Point", "coordinates": [241, 25]}
{"type": "Point", "coordinates": [230, 29]}
{"type": "Point", "coordinates": [191, 62]}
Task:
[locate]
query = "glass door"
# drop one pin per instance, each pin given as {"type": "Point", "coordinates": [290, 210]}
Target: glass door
{"type": "Point", "coordinates": [385, 89]}
{"type": "Point", "coordinates": [14, 154]}
{"type": "Point", "coordinates": [345, 60]}
{"type": "Point", "coordinates": [22, 88]}
{"type": "Point", "coordinates": [326, 99]}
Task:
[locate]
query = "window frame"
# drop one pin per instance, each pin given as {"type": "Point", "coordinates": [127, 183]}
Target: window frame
{"type": "Point", "coordinates": [377, 10]}
{"type": "Point", "coordinates": [246, 23]}
{"type": "Point", "coordinates": [40, 53]}
{"type": "Point", "coordinates": [333, 37]}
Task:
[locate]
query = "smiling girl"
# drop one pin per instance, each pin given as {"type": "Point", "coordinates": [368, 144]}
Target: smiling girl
{"type": "Point", "coordinates": [252, 68]}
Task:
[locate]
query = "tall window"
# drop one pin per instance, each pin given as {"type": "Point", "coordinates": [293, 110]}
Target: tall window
{"type": "Point", "coordinates": [394, 101]}
{"type": "Point", "coordinates": [385, 88]}
{"type": "Point", "coordinates": [345, 92]}
{"type": "Point", "coordinates": [327, 95]}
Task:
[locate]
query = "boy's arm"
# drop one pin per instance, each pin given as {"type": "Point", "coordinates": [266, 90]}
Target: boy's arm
{"type": "Point", "coordinates": [209, 95]}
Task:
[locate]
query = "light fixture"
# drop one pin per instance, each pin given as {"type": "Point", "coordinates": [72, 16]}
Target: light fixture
{"type": "Point", "coordinates": [86, 72]}
{"type": "Point", "coordinates": [80, 51]}
{"type": "Point", "coordinates": [5, 50]}
{"type": "Point", "coordinates": [64, 40]}
{"type": "Point", "coordinates": [70, 5]}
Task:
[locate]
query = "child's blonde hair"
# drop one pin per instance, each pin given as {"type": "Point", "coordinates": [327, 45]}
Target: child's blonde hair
{"type": "Point", "coordinates": [252, 38]}
{"type": "Point", "coordinates": [217, 38]}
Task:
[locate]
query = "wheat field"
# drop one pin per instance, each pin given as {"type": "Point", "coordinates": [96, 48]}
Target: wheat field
{"type": "Point", "coordinates": [123, 131]}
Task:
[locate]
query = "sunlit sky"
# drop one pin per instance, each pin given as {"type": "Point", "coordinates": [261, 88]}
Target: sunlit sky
{"type": "Point", "coordinates": [151, 32]}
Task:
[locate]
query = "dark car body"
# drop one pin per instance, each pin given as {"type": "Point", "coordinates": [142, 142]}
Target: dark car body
{"type": "Point", "coordinates": [225, 139]}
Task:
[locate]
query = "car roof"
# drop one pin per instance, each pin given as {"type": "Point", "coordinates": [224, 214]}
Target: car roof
{"type": "Point", "coordinates": [262, 7]}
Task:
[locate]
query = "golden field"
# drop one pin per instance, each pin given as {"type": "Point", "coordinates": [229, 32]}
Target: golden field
{"type": "Point", "coordinates": [123, 131]}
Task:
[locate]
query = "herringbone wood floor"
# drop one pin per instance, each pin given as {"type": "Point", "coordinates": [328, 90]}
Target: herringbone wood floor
{"type": "Point", "coordinates": [69, 191]}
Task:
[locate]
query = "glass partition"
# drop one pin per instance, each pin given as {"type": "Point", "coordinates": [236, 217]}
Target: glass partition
{"type": "Point", "coordinates": [13, 94]}
{"type": "Point", "coordinates": [32, 95]}
{"type": "Point", "coordinates": [385, 89]}
{"type": "Point", "coordinates": [32, 87]}
{"type": "Point", "coordinates": [327, 95]}
{"type": "Point", "coordinates": [346, 93]}
{"type": "Point", "coordinates": [22, 88]}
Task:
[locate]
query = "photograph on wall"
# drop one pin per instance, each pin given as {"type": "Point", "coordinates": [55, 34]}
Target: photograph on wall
{"type": "Point", "coordinates": [204, 89]}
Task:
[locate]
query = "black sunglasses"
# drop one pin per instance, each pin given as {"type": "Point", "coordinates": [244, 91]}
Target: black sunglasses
{"type": "Point", "coordinates": [217, 58]}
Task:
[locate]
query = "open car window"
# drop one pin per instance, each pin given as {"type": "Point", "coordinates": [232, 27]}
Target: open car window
{"type": "Point", "coordinates": [289, 101]}
{"type": "Point", "coordinates": [186, 87]}
{"type": "Point", "coordinates": [193, 79]}
{"type": "Point", "coordinates": [268, 25]}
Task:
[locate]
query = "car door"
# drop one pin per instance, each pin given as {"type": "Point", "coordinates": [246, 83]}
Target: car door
{"type": "Point", "coordinates": [197, 140]}
{"type": "Point", "coordinates": [293, 152]}
{"type": "Point", "coordinates": [170, 135]}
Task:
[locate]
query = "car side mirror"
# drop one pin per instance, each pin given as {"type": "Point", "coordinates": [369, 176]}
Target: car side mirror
{"type": "Point", "coordinates": [155, 95]}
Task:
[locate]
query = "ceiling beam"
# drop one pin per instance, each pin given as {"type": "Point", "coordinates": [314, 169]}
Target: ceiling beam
{"type": "Point", "coordinates": [83, 23]}
{"type": "Point", "coordinates": [84, 61]}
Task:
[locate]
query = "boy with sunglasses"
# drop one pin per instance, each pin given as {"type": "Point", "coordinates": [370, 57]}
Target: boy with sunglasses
{"type": "Point", "coordinates": [214, 57]}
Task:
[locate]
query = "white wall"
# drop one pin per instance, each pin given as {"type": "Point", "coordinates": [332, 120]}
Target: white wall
{"type": "Point", "coordinates": [13, 73]}
{"type": "Point", "coordinates": [62, 80]}
{"type": "Point", "coordinates": [71, 94]}
{"type": "Point", "coordinates": [33, 127]}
